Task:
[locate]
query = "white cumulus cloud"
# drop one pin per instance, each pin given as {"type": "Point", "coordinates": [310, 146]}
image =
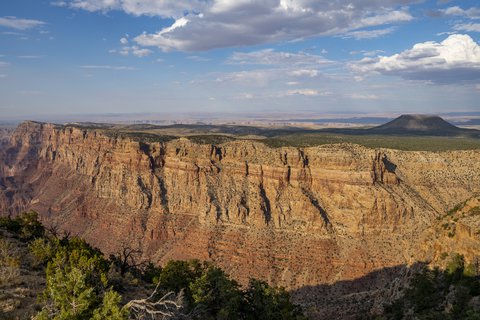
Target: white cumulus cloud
{"type": "Point", "coordinates": [456, 59]}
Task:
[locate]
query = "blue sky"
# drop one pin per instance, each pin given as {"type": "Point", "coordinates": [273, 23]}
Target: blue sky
{"type": "Point", "coordinates": [129, 56]}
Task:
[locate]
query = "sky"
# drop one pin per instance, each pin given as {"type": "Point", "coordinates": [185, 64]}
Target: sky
{"type": "Point", "coordinates": [238, 56]}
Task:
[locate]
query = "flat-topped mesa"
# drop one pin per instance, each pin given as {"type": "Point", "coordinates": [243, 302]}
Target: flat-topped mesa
{"type": "Point", "coordinates": [291, 216]}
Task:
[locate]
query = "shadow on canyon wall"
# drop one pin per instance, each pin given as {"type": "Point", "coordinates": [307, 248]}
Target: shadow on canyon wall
{"type": "Point", "coordinates": [356, 299]}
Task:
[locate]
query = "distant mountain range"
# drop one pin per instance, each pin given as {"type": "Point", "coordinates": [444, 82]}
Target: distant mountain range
{"type": "Point", "coordinates": [271, 118]}
{"type": "Point", "coordinates": [408, 125]}
{"type": "Point", "coordinates": [404, 125]}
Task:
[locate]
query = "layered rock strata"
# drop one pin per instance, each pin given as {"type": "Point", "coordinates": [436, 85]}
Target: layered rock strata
{"type": "Point", "coordinates": [291, 216]}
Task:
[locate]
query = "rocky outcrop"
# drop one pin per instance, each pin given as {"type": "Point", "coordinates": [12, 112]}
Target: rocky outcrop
{"type": "Point", "coordinates": [292, 216]}
{"type": "Point", "coordinates": [455, 232]}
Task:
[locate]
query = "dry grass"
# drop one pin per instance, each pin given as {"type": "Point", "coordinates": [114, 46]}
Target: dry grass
{"type": "Point", "coordinates": [20, 282]}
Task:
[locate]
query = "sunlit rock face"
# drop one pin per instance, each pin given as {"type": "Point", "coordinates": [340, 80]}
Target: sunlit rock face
{"type": "Point", "coordinates": [291, 216]}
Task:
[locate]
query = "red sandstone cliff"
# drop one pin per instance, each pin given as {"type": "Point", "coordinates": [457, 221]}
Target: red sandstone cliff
{"type": "Point", "coordinates": [291, 216]}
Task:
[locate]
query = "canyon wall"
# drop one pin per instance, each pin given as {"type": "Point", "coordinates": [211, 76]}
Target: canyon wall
{"type": "Point", "coordinates": [291, 216]}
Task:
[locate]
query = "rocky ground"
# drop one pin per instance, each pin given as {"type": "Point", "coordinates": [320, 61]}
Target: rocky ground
{"type": "Point", "coordinates": [21, 280]}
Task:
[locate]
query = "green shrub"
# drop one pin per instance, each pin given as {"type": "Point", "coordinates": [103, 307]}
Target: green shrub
{"type": "Point", "coordinates": [31, 227]}
{"type": "Point", "coordinates": [270, 302]}
{"type": "Point", "coordinates": [26, 225]}
{"type": "Point", "coordinates": [456, 264]}
{"type": "Point", "coordinates": [12, 225]}
{"type": "Point", "coordinates": [151, 273]}
{"type": "Point", "coordinates": [474, 211]}
{"type": "Point", "coordinates": [219, 296]}
{"type": "Point", "coordinates": [43, 250]}
{"type": "Point", "coordinates": [75, 281]}
{"type": "Point", "coordinates": [178, 275]}
{"type": "Point", "coordinates": [423, 292]}
{"type": "Point", "coordinates": [455, 208]}
{"type": "Point", "coordinates": [472, 315]}
{"type": "Point", "coordinates": [110, 308]}
{"type": "Point", "coordinates": [470, 270]}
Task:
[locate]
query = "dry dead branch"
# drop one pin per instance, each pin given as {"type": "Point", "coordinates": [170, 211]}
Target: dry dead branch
{"type": "Point", "coordinates": [168, 307]}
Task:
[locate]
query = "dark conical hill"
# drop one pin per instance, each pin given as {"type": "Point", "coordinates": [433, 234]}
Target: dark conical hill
{"type": "Point", "coordinates": [413, 124]}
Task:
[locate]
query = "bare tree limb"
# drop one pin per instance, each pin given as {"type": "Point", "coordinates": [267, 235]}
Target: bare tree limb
{"type": "Point", "coordinates": [167, 307]}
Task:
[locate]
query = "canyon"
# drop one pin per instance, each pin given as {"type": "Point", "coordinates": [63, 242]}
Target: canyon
{"type": "Point", "coordinates": [306, 218]}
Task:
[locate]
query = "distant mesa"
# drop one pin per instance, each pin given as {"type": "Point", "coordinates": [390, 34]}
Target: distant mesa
{"type": "Point", "coordinates": [418, 124]}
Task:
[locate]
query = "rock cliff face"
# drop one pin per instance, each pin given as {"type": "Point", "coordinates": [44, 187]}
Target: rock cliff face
{"type": "Point", "coordinates": [291, 216]}
{"type": "Point", "coordinates": [457, 231]}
